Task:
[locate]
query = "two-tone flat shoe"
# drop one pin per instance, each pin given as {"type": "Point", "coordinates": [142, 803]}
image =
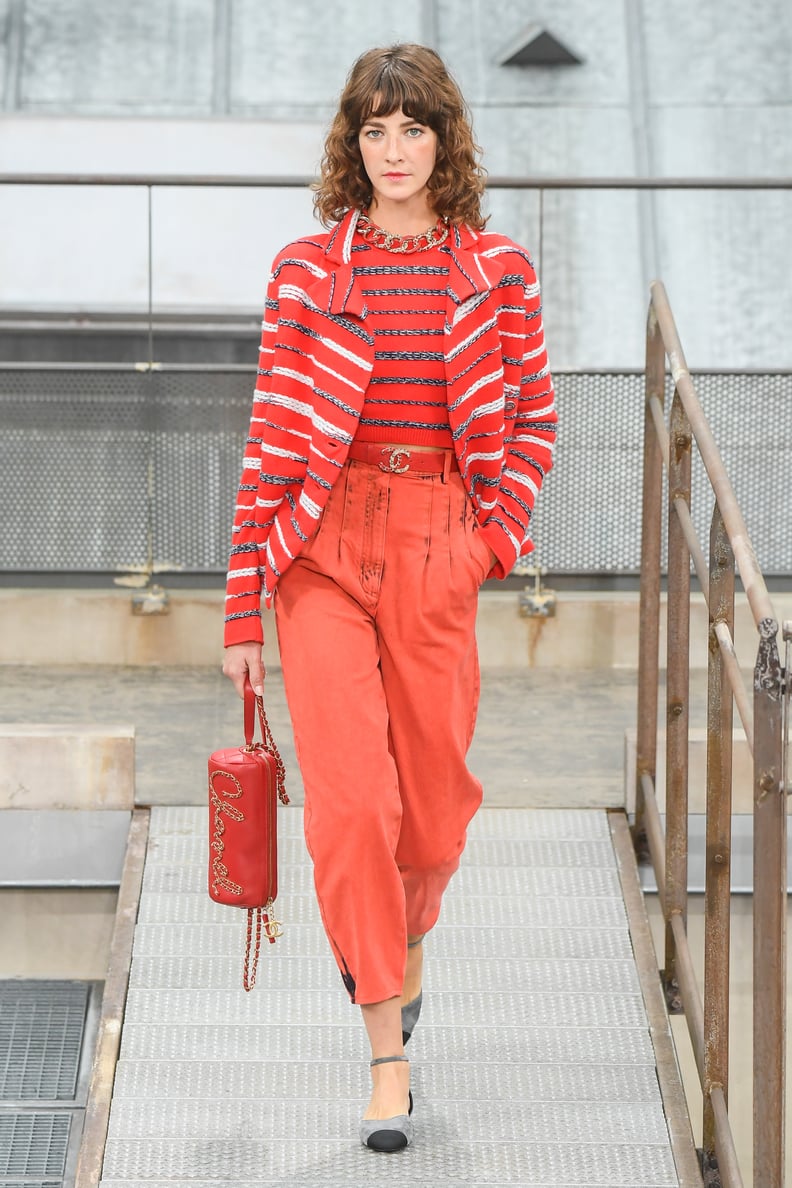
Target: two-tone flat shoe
{"type": "Point", "coordinates": [387, 1134]}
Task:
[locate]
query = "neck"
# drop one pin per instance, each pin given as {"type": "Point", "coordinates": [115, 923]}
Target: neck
{"type": "Point", "coordinates": [402, 218]}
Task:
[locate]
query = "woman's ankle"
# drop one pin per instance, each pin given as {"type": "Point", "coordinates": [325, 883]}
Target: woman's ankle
{"type": "Point", "coordinates": [413, 974]}
{"type": "Point", "coordinates": [390, 1090]}
{"type": "Point", "coordinates": [383, 1027]}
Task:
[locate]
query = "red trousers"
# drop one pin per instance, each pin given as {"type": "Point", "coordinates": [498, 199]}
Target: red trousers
{"type": "Point", "coordinates": [376, 627]}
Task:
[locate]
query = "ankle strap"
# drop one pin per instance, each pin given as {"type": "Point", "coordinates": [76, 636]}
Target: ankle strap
{"type": "Point", "coordinates": [387, 1060]}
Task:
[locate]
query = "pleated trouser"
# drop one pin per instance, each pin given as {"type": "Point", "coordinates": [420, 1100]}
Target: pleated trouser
{"type": "Point", "coordinates": [376, 627]}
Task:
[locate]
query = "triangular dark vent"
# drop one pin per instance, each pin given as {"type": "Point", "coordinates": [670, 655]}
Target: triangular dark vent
{"type": "Point", "coordinates": [536, 46]}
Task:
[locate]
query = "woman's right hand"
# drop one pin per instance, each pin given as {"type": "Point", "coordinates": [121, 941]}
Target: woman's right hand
{"type": "Point", "coordinates": [240, 660]}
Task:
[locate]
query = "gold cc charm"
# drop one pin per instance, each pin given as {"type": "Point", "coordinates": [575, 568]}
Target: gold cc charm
{"type": "Point", "coordinates": [273, 929]}
{"type": "Point", "coordinates": [398, 461]}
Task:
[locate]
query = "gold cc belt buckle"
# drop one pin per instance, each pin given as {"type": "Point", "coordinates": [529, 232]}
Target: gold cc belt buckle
{"type": "Point", "coordinates": [398, 462]}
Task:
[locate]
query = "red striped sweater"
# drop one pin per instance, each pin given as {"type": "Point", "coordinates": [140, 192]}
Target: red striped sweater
{"type": "Point", "coordinates": [317, 356]}
{"type": "Point", "coordinates": [406, 301]}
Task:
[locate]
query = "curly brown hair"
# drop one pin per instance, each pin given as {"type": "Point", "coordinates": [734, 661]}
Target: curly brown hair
{"type": "Point", "coordinates": [412, 78]}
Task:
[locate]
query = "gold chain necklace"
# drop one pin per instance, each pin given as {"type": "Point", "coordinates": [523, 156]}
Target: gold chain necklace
{"type": "Point", "coordinates": [402, 244]}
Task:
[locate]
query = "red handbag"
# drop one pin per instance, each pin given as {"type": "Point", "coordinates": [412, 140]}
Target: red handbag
{"type": "Point", "coordinates": [244, 786]}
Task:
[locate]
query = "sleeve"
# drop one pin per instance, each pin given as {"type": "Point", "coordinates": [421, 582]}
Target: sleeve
{"type": "Point", "coordinates": [248, 535]}
{"type": "Point", "coordinates": [530, 443]}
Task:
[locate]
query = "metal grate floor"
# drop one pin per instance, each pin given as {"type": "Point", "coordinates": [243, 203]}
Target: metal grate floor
{"type": "Point", "coordinates": [43, 1028]}
{"type": "Point", "coordinates": [532, 1063]}
{"type": "Point", "coordinates": [41, 1035]}
{"type": "Point", "coordinates": [33, 1144]}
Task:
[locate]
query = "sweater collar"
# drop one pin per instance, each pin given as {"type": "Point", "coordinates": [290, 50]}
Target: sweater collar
{"type": "Point", "coordinates": [339, 245]}
{"type": "Point", "coordinates": [336, 292]}
{"type": "Point", "coordinates": [470, 271]}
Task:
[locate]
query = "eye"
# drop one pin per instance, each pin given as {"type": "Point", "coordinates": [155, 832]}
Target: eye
{"type": "Point", "coordinates": [414, 133]}
{"type": "Point", "coordinates": [372, 133]}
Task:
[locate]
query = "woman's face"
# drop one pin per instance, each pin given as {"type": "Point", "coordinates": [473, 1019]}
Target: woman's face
{"type": "Point", "coordinates": [398, 156]}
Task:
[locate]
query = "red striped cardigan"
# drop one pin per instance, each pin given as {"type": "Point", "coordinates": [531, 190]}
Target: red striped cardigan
{"type": "Point", "coordinates": [316, 357]}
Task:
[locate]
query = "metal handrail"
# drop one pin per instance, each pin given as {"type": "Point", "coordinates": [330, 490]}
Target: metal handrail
{"type": "Point", "coordinates": [750, 574]}
{"type": "Point", "coordinates": [729, 544]}
{"type": "Point", "coordinates": [302, 180]}
{"type": "Point", "coordinates": [541, 185]}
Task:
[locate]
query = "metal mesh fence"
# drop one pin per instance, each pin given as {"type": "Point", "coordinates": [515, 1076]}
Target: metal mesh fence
{"type": "Point", "coordinates": [588, 518]}
{"type": "Point", "coordinates": [113, 470]}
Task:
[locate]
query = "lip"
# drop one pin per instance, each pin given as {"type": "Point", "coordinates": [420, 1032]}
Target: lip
{"type": "Point", "coordinates": [395, 175]}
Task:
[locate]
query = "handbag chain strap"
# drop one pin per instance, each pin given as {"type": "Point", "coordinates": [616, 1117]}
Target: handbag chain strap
{"type": "Point", "coordinates": [269, 745]}
{"type": "Point", "coordinates": [258, 918]}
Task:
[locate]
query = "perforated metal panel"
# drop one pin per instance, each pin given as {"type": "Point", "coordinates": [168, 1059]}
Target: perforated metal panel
{"type": "Point", "coordinates": [541, 944]}
{"type": "Point", "coordinates": [443, 1158]}
{"type": "Point", "coordinates": [537, 1080]}
{"type": "Point", "coordinates": [216, 972]}
{"type": "Point", "coordinates": [226, 1042]}
{"type": "Point", "coordinates": [101, 467]}
{"type": "Point", "coordinates": [588, 516]}
{"type": "Point", "coordinates": [513, 880]}
{"type": "Point", "coordinates": [41, 1035]}
{"type": "Point", "coordinates": [102, 470]}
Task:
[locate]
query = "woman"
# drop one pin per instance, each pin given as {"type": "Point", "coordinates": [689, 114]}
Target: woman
{"type": "Point", "coordinates": [402, 424]}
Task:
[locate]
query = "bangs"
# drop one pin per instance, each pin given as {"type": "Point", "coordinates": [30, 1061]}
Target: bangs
{"type": "Point", "coordinates": [394, 91]}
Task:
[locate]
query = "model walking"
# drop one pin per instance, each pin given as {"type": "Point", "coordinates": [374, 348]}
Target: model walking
{"type": "Point", "coordinates": [402, 424]}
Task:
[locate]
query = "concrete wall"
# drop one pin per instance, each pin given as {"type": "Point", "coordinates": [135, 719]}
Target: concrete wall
{"type": "Point", "coordinates": [60, 932]}
{"type": "Point", "coordinates": [588, 631]}
{"type": "Point", "coordinates": [234, 86]}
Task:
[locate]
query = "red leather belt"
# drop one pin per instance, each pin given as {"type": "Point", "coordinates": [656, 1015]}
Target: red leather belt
{"type": "Point", "coordinates": [403, 459]}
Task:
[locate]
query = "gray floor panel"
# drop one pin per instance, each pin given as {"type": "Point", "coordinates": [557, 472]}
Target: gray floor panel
{"type": "Point", "coordinates": [546, 881]}
{"type": "Point", "coordinates": [617, 1048]}
{"type": "Point", "coordinates": [495, 823]}
{"type": "Point", "coordinates": [434, 1157]}
{"type": "Point", "coordinates": [194, 851]}
{"type": "Point", "coordinates": [319, 973]}
{"type": "Point", "coordinates": [536, 852]}
{"type": "Point", "coordinates": [172, 1086]}
{"type": "Point", "coordinates": [508, 823]}
{"type": "Point", "coordinates": [549, 882]}
{"type": "Point", "coordinates": [535, 913]}
{"type": "Point", "coordinates": [554, 1086]}
{"type": "Point", "coordinates": [479, 912]}
{"type": "Point", "coordinates": [328, 1183]}
{"type": "Point", "coordinates": [316, 1008]}
{"type": "Point", "coordinates": [542, 944]}
{"type": "Point", "coordinates": [191, 849]}
{"type": "Point", "coordinates": [527, 854]}
{"type": "Point", "coordinates": [336, 1119]}
{"type": "Point", "coordinates": [493, 852]}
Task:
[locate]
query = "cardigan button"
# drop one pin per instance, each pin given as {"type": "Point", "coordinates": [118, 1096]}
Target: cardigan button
{"type": "Point", "coordinates": [510, 406]}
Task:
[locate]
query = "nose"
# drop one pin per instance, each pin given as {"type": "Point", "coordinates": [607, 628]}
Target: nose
{"type": "Point", "coordinates": [393, 148]}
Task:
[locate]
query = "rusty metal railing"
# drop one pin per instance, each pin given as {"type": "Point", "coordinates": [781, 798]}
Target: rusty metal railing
{"type": "Point", "coordinates": [763, 722]}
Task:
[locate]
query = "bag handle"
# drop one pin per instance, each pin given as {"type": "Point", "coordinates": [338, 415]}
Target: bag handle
{"type": "Point", "coordinates": [252, 704]}
{"type": "Point", "coordinates": [250, 713]}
